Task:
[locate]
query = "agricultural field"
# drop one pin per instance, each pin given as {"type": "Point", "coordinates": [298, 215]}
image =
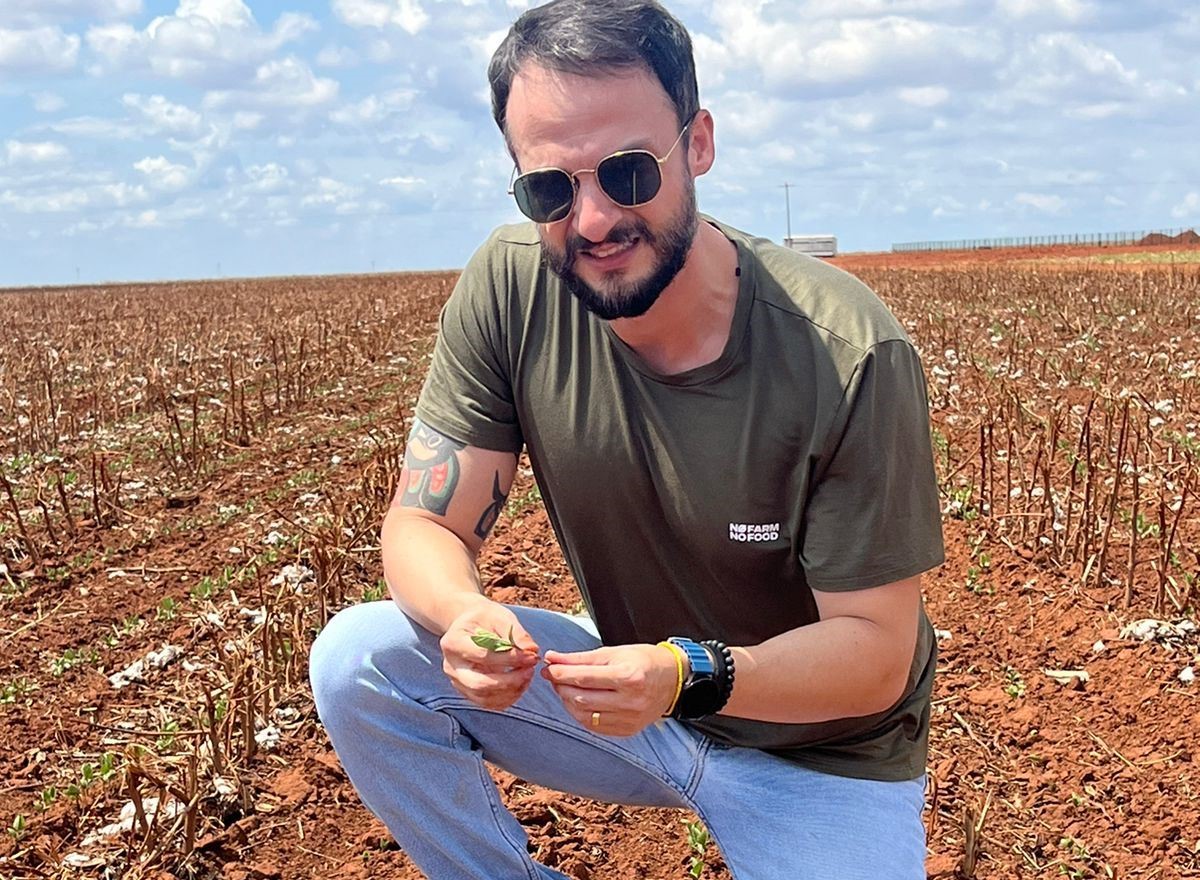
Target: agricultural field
{"type": "Point", "coordinates": [191, 482]}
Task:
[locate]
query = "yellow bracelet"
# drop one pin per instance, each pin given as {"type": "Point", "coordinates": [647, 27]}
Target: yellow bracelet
{"type": "Point", "coordinates": [679, 658]}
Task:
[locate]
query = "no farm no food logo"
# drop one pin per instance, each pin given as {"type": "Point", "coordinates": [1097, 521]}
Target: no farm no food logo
{"type": "Point", "coordinates": [753, 532]}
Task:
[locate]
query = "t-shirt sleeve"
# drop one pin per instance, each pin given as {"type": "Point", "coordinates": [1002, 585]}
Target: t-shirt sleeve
{"type": "Point", "coordinates": [873, 516]}
{"type": "Point", "coordinates": [468, 392]}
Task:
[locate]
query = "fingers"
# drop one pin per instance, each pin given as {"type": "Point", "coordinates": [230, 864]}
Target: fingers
{"type": "Point", "coordinates": [595, 677]}
{"type": "Point", "coordinates": [595, 657]}
{"type": "Point", "coordinates": [491, 661]}
{"type": "Point", "coordinates": [494, 631]}
{"type": "Point", "coordinates": [490, 690]}
{"type": "Point", "coordinates": [495, 673]}
{"type": "Point", "coordinates": [603, 715]}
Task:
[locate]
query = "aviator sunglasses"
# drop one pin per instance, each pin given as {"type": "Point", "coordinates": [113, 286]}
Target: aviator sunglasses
{"type": "Point", "coordinates": [628, 177]}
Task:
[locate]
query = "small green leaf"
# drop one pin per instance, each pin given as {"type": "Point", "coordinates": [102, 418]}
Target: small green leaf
{"type": "Point", "coordinates": [493, 641]}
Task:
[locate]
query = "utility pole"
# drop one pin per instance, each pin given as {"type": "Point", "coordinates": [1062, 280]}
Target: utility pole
{"type": "Point", "coordinates": [787, 197]}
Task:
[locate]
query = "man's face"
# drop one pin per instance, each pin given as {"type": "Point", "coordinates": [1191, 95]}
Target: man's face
{"type": "Point", "coordinates": [616, 260]}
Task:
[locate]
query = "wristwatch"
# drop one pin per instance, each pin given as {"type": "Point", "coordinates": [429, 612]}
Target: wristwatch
{"type": "Point", "coordinates": [702, 692]}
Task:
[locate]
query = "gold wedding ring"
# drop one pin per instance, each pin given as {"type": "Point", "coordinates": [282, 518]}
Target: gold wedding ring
{"type": "Point", "coordinates": [595, 719]}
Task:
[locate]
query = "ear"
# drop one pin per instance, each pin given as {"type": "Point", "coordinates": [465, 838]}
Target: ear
{"type": "Point", "coordinates": [701, 149]}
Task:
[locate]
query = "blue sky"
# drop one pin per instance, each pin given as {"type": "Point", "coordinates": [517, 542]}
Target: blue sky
{"type": "Point", "coordinates": [143, 139]}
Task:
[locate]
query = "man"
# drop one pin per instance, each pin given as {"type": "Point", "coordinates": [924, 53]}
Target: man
{"type": "Point", "coordinates": [732, 444]}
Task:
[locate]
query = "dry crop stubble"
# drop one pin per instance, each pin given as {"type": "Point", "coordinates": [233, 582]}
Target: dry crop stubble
{"type": "Point", "coordinates": [269, 418]}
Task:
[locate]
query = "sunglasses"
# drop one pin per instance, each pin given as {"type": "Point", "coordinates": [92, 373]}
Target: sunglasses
{"type": "Point", "coordinates": [628, 177]}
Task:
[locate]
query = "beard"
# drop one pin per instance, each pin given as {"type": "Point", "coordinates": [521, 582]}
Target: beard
{"type": "Point", "coordinates": [618, 297]}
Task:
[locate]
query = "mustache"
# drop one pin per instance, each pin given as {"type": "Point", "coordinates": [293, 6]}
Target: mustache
{"type": "Point", "coordinates": [619, 234]}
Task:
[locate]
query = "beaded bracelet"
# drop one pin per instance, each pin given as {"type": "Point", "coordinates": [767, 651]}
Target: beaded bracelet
{"type": "Point", "coordinates": [724, 663]}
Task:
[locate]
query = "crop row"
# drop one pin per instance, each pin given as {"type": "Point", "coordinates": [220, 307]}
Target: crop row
{"type": "Point", "coordinates": [1066, 412]}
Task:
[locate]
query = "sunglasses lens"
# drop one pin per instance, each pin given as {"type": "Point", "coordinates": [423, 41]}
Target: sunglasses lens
{"type": "Point", "coordinates": [631, 178]}
{"type": "Point", "coordinates": [544, 196]}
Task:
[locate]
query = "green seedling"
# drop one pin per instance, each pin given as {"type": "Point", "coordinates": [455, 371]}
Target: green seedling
{"type": "Point", "coordinates": [16, 690]}
{"type": "Point", "coordinates": [90, 774]}
{"type": "Point", "coordinates": [493, 641]}
{"type": "Point", "coordinates": [167, 738]}
{"type": "Point", "coordinates": [206, 589]}
{"type": "Point", "coordinates": [1014, 684]}
{"type": "Point", "coordinates": [519, 504]}
{"type": "Point", "coordinates": [70, 659]}
{"type": "Point", "coordinates": [375, 593]}
{"type": "Point", "coordinates": [18, 827]}
{"type": "Point", "coordinates": [698, 843]}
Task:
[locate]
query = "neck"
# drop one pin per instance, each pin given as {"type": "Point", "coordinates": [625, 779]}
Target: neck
{"type": "Point", "coordinates": [688, 326]}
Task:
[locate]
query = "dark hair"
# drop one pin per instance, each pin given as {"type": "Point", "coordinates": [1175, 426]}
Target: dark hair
{"type": "Point", "coordinates": [596, 36]}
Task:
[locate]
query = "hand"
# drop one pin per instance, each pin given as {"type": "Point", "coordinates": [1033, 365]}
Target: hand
{"type": "Point", "coordinates": [490, 679]}
{"type": "Point", "coordinates": [631, 686]}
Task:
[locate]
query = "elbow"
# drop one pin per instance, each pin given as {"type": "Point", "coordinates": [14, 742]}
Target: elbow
{"type": "Point", "coordinates": [892, 690]}
{"type": "Point", "coordinates": [892, 685]}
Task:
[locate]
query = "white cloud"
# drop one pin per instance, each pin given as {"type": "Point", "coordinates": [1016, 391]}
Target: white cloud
{"type": "Point", "coordinates": [894, 119]}
{"type": "Point", "coordinates": [1054, 67]}
{"type": "Point", "coordinates": [948, 206]}
{"type": "Point", "coordinates": [373, 108]}
{"type": "Point", "coordinates": [32, 13]}
{"type": "Point", "coordinates": [46, 203]}
{"type": "Point", "coordinates": [164, 174]}
{"type": "Point", "coordinates": [164, 116]}
{"type": "Point", "coordinates": [247, 120]}
{"type": "Point", "coordinates": [1189, 207]}
{"type": "Point", "coordinates": [207, 41]}
{"type": "Point", "coordinates": [1047, 204]}
{"type": "Point", "coordinates": [925, 96]}
{"type": "Point", "coordinates": [746, 116]}
{"type": "Point", "coordinates": [37, 50]}
{"type": "Point", "coordinates": [268, 178]}
{"type": "Point", "coordinates": [34, 152]}
{"type": "Point", "coordinates": [229, 13]}
{"type": "Point", "coordinates": [108, 195]}
{"type": "Point", "coordinates": [408, 15]}
{"type": "Point", "coordinates": [94, 127]}
{"type": "Point", "coordinates": [337, 56]}
{"type": "Point", "coordinates": [280, 84]}
{"type": "Point", "coordinates": [330, 192]}
{"type": "Point", "coordinates": [47, 102]}
{"type": "Point", "coordinates": [143, 219]}
{"type": "Point", "coordinates": [402, 182]}
{"type": "Point", "coordinates": [1067, 11]}
{"type": "Point", "coordinates": [804, 58]}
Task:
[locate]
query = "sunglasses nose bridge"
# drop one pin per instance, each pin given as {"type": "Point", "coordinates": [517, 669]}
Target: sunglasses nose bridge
{"type": "Point", "coordinates": [595, 211]}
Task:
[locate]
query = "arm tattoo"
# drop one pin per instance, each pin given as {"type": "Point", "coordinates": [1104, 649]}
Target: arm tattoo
{"type": "Point", "coordinates": [431, 460]}
{"type": "Point", "coordinates": [492, 513]}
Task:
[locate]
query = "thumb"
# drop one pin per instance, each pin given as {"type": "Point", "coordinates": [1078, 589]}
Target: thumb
{"type": "Point", "coordinates": [523, 640]}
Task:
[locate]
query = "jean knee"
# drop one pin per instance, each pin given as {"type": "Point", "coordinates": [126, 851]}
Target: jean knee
{"type": "Point", "coordinates": [342, 653]}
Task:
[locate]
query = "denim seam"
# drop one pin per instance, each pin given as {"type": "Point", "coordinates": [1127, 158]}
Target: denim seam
{"type": "Point", "coordinates": [441, 704]}
{"type": "Point", "coordinates": [697, 768]}
{"type": "Point", "coordinates": [493, 799]}
{"type": "Point", "coordinates": [693, 784]}
{"type": "Point", "coordinates": [457, 736]}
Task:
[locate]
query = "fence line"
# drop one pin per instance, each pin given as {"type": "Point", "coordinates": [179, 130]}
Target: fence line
{"type": "Point", "coordinates": [1179, 235]}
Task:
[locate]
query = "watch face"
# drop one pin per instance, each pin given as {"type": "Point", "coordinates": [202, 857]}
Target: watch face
{"type": "Point", "coordinates": [699, 698]}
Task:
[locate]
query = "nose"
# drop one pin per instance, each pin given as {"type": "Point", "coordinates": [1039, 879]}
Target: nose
{"type": "Point", "coordinates": [595, 213]}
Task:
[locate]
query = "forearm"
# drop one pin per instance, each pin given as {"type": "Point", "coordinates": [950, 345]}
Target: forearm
{"type": "Point", "coordinates": [842, 667]}
{"type": "Point", "coordinates": [430, 573]}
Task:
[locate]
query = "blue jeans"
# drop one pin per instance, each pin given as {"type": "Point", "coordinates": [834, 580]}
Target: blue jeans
{"type": "Point", "coordinates": [414, 748]}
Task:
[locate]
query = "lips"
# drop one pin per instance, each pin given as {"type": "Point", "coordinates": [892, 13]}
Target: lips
{"type": "Point", "coordinates": [610, 251]}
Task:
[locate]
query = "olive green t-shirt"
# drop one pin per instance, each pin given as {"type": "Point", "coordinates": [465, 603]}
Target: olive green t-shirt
{"type": "Point", "coordinates": [711, 503]}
